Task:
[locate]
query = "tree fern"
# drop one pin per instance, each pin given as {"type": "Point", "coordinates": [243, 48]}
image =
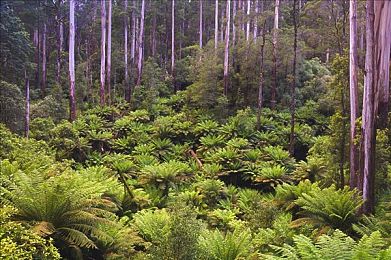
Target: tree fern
{"type": "Point", "coordinates": [329, 208]}
{"type": "Point", "coordinates": [230, 246]}
{"type": "Point", "coordinates": [337, 246]}
{"type": "Point", "coordinates": [69, 207]}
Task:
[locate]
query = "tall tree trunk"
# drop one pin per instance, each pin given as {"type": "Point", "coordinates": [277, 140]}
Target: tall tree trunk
{"type": "Point", "coordinates": [261, 79]}
{"type": "Point", "coordinates": [200, 20]}
{"type": "Point", "coordinates": [248, 20]}
{"type": "Point", "coordinates": [72, 100]}
{"type": "Point", "coordinates": [382, 57]}
{"type": "Point", "coordinates": [173, 39]}
{"type": "Point", "coordinates": [256, 21]}
{"type": "Point", "coordinates": [60, 39]}
{"type": "Point", "coordinates": [108, 71]}
{"type": "Point", "coordinates": [275, 36]}
{"type": "Point", "coordinates": [88, 69]}
{"type": "Point", "coordinates": [37, 54]}
{"type": "Point", "coordinates": [226, 49]}
{"type": "Point", "coordinates": [44, 59]}
{"type": "Point", "coordinates": [233, 23]}
{"type": "Point", "coordinates": [133, 41]}
{"type": "Point", "coordinates": [216, 23]}
{"type": "Point", "coordinates": [140, 44]}
{"type": "Point", "coordinates": [27, 111]}
{"type": "Point", "coordinates": [293, 85]}
{"type": "Point", "coordinates": [368, 115]}
{"type": "Point", "coordinates": [154, 34]}
{"type": "Point", "coordinates": [103, 52]}
{"type": "Point", "coordinates": [127, 85]}
{"type": "Point", "coordinates": [353, 86]}
{"type": "Point", "coordinates": [222, 25]}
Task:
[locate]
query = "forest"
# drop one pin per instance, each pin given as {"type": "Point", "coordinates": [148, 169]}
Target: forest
{"type": "Point", "coordinates": [195, 129]}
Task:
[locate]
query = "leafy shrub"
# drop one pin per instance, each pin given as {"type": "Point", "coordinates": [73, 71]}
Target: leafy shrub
{"type": "Point", "coordinates": [18, 242]}
{"type": "Point", "coordinates": [338, 244]}
{"type": "Point", "coordinates": [329, 208]}
{"type": "Point", "coordinates": [230, 246]}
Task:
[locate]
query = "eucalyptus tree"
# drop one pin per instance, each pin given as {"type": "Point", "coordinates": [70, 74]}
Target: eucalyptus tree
{"type": "Point", "coordinates": [72, 99]}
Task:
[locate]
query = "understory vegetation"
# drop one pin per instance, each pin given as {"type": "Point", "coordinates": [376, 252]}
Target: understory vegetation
{"type": "Point", "coordinates": [170, 182]}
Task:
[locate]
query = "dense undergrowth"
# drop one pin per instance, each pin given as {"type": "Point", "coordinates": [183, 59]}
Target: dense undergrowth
{"type": "Point", "coordinates": [172, 182]}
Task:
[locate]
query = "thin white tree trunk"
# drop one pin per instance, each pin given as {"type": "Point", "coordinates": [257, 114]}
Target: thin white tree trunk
{"type": "Point", "coordinates": [274, 42]}
{"type": "Point", "coordinates": [173, 38]}
{"type": "Point", "coordinates": [256, 21]}
{"type": "Point", "coordinates": [353, 86]}
{"type": "Point", "coordinates": [261, 80]}
{"type": "Point", "coordinates": [248, 20]}
{"type": "Point", "coordinates": [103, 53]}
{"type": "Point", "coordinates": [133, 41]}
{"type": "Point", "coordinates": [127, 85]}
{"type": "Point", "coordinates": [233, 23]}
{"type": "Point", "coordinates": [27, 111]}
{"type": "Point", "coordinates": [222, 25]}
{"type": "Point", "coordinates": [382, 58]}
{"type": "Point", "coordinates": [154, 34]}
{"type": "Point", "coordinates": [109, 54]}
{"type": "Point", "coordinates": [44, 59]}
{"type": "Point", "coordinates": [368, 119]}
{"type": "Point", "coordinates": [72, 99]}
{"type": "Point", "coordinates": [226, 49]}
{"type": "Point", "coordinates": [216, 23]}
{"type": "Point", "coordinates": [60, 40]}
{"type": "Point", "coordinates": [140, 44]}
{"type": "Point", "coordinates": [200, 29]}
{"type": "Point", "coordinates": [293, 86]}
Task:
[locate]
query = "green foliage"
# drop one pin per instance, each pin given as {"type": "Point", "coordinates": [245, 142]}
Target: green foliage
{"type": "Point", "coordinates": [19, 242]}
{"type": "Point", "coordinates": [70, 208]}
{"type": "Point", "coordinates": [338, 244]}
{"type": "Point", "coordinates": [166, 175]}
{"type": "Point", "coordinates": [12, 104]}
{"type": "Point", "coordinates": [15, 48]}
{"type": "Point", "coordinates": [329, 208]}
{"type": "Point", "coordinates": [229, 246]}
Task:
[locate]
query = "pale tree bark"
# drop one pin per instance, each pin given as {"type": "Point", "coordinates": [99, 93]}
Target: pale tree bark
{"type": "Point", "coordinates": [44, 60]}
{"type": "Point", "coordinates": [140, 44]}
{"type": "Point", "coordinates": [353, 86]}
{"type": "Point", "coordinates": [274, 43]}
{"type": "Point", "coordinates": [248, 20]}
{"type": "Point", "coordinates": [133, 41]}
{"type": "Point", "coordinates": [36, 42]}
{"type": "Point", "coordinates": [108, 71]}
{"type": "Point", "coordinates": [127, 85]}
{"type": "Point", "coordinates": [200, 20]}
{"type": "Point", "coordinates": [173, 38]}
{"type": "Point", "coordinates": [88, 69]}
{"type": "Point", "coordinates": [226, 49]}
{"type": "Point", "coordinates": [216, 23]}
{"type": "Point", "coordinates": [382, 57]}
{"type": "Point", "coordinates": [60, 40]}
{"type": "Point", "coordinates": [256, 21]}
{"type": "Point", "coordinates": [103, 52]}
{"type": "Point", "coordinates": [243, 9]}
{"type": "Point", "coordinates": [136, 51]}
{"type": "Point", "coordinates": [222, 25]}
{"type": "Point", "coordinates": [233, 23]}
{"type": "Point", "coordinates": [72, 100]}
{"type": "Point", "coordinates": [27, 111]}
{"type": "Point", "coordinates": [261, 80]}
{"type": "Point", "coordinates": [293, 84]}
{"type": "Point", "coordinates": [154, 33]}
{"type": "Point", "coordinates": [368, 115]}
